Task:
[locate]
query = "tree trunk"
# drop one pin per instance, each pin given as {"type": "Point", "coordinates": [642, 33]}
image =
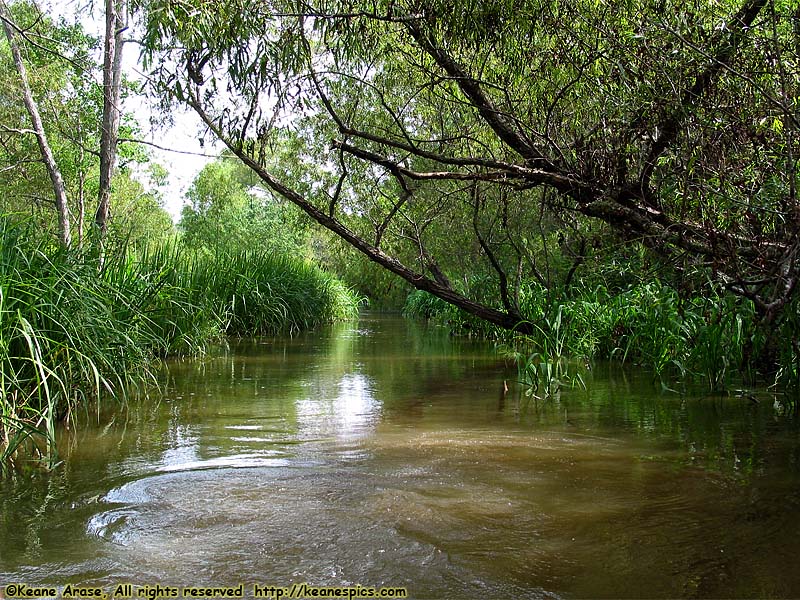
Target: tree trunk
{"type": "Point", "coordinates": [59, 189]}
{"type": "Point", "coordinates": [81, 186]}
{"type": "Point", "coordinates": [112, 79]}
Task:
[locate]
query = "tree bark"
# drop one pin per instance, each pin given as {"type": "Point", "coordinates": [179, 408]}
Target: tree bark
{"type": "Point", "coordinates": [112, 83]}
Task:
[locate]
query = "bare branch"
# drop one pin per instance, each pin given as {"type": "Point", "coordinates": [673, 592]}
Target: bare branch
{"type": "Point", "coordinates": [531, 176]}
{"type": "Point", "coordinates": [164, 148]}
{"type": "Point", "coordinates": [501, 274]}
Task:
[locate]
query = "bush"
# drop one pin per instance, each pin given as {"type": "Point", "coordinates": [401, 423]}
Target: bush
{"type": "Point", "coordinates": [714, 336]}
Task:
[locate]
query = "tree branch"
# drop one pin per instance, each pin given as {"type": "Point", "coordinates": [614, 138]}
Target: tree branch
{"type": "Point", "coordinates": [59, 189]}
{"type": "Point", "coordinates": [419, 281]}
{"type": "Point", "coordinates": [668, 130]}
{"type": "Point", "coordinates": [471, 88]}
{"type": "Point", "coordinates": [531, 176]}
{"type": "Point", "coordinates": [501, 274]}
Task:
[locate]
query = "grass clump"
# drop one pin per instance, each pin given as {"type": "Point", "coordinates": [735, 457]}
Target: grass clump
{"type": "Point", "coordinates": [61, 339]}
{"type": "Point", "coordinates": [70, 333]}
{"type": "Point", "coordinates": [715, 336]}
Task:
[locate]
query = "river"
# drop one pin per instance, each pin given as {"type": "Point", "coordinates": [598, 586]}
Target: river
{"type": "Point", "coordinates": [386, 453]}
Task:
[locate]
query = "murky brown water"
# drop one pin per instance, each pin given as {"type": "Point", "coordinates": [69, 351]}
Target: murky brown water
{"type": "Point", "coordinates": [380, 453]}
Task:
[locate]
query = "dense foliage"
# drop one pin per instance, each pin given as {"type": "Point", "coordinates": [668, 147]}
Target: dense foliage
{"type": "Point", "coordinates": [62, 70]}
{"type": "Point", "coordinates": [69, 334]}
{"type": "Point", "coordinates": [713, 339]}
{"type": "Point", "coordinates": [228, 211]}
{"type": "Point", "coordinates": [476, 148]}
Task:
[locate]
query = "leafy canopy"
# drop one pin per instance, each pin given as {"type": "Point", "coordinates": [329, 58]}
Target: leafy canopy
{"type": "Point", "coordinates": [434, 127]}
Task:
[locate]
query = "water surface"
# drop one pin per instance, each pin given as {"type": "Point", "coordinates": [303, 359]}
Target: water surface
{"type": "Point", "coordinates": [385, 453]}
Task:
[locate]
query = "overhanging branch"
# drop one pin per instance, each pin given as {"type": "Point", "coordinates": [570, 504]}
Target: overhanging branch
{"type": "Point", "coordinates": [418, 280]}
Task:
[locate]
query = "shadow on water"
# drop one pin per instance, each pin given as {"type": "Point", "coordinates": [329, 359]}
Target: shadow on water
{"type": "Point", "coordinates": [387, 453]}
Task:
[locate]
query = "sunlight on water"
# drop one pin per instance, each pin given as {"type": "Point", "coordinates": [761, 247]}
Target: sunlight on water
{"type": "Point", "coordinates": [356, 408]}
{"type": "Point", "coordinates": [349, 412]}
{"type": "Point", "coordinates": [237, 461]}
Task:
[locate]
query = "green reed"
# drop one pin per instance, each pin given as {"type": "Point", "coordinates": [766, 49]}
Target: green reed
{"type": "Point", "coordinates": [60, 340]}
{"type": "Point", "coordinates": [244, 293]}
{"type": "Point", "coordinates": [71, 333]}
{"type": "Point", "coordinates": [545, 364]}
{"type": "Point", "coordinates": [711, 336]}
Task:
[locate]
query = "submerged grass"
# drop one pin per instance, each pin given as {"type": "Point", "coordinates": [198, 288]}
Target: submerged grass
{"type": "Point", "coordinates": [70, 333]}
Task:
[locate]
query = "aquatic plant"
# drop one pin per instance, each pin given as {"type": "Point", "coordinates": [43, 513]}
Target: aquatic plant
{"type": "Point", "coordinates": [709, 335]}
{"type": "Point", "coordinates": [241, 293]}
{"type": "Point", "coordinates": [70, 332]}
{"type": "Point", "coordinates": [544, 362]}
{"type": "Point", "coordinates": [61, 339]}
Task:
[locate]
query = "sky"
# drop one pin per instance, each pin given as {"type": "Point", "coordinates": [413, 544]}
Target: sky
{"type": "Point", "coordinates": [180, 137]}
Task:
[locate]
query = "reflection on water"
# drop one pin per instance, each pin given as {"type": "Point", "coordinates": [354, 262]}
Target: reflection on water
{"type": "Point", "coordinates": [383, 453]}
{"type": "Point", "coordinates": [351, 413]}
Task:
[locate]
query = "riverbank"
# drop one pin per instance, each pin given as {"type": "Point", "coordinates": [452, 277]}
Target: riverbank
{"type": "Point", "coordinates": [714, 337]}
{"type": "Point", "coordinates": [71, 333]}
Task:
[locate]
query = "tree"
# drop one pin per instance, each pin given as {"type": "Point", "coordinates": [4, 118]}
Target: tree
{"type": "Point", "coordinates": [229, 212]}
{"type": "Point", "coordinates": [75, 109]}
{"type": "Point", "coordinates": [112, 86]}
{"type": "Point", "coordinates": [675, 125]}
{"type": "Point", "coordinates": [140, 215]}
{"type": "Point", "coordinates": [59, 189]}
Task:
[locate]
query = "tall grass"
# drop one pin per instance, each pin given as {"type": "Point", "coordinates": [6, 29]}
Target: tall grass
{"type": "Point", "coordinates": [70, 333]}
{"type": "Point", "coordinates": [241, 293]}
{"type": "Point", "coordinates": [543, 360]}
{"type": "Point", "coordinates": [715, 337]}
{"type": "Point", "coordinates": [60, 340]}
